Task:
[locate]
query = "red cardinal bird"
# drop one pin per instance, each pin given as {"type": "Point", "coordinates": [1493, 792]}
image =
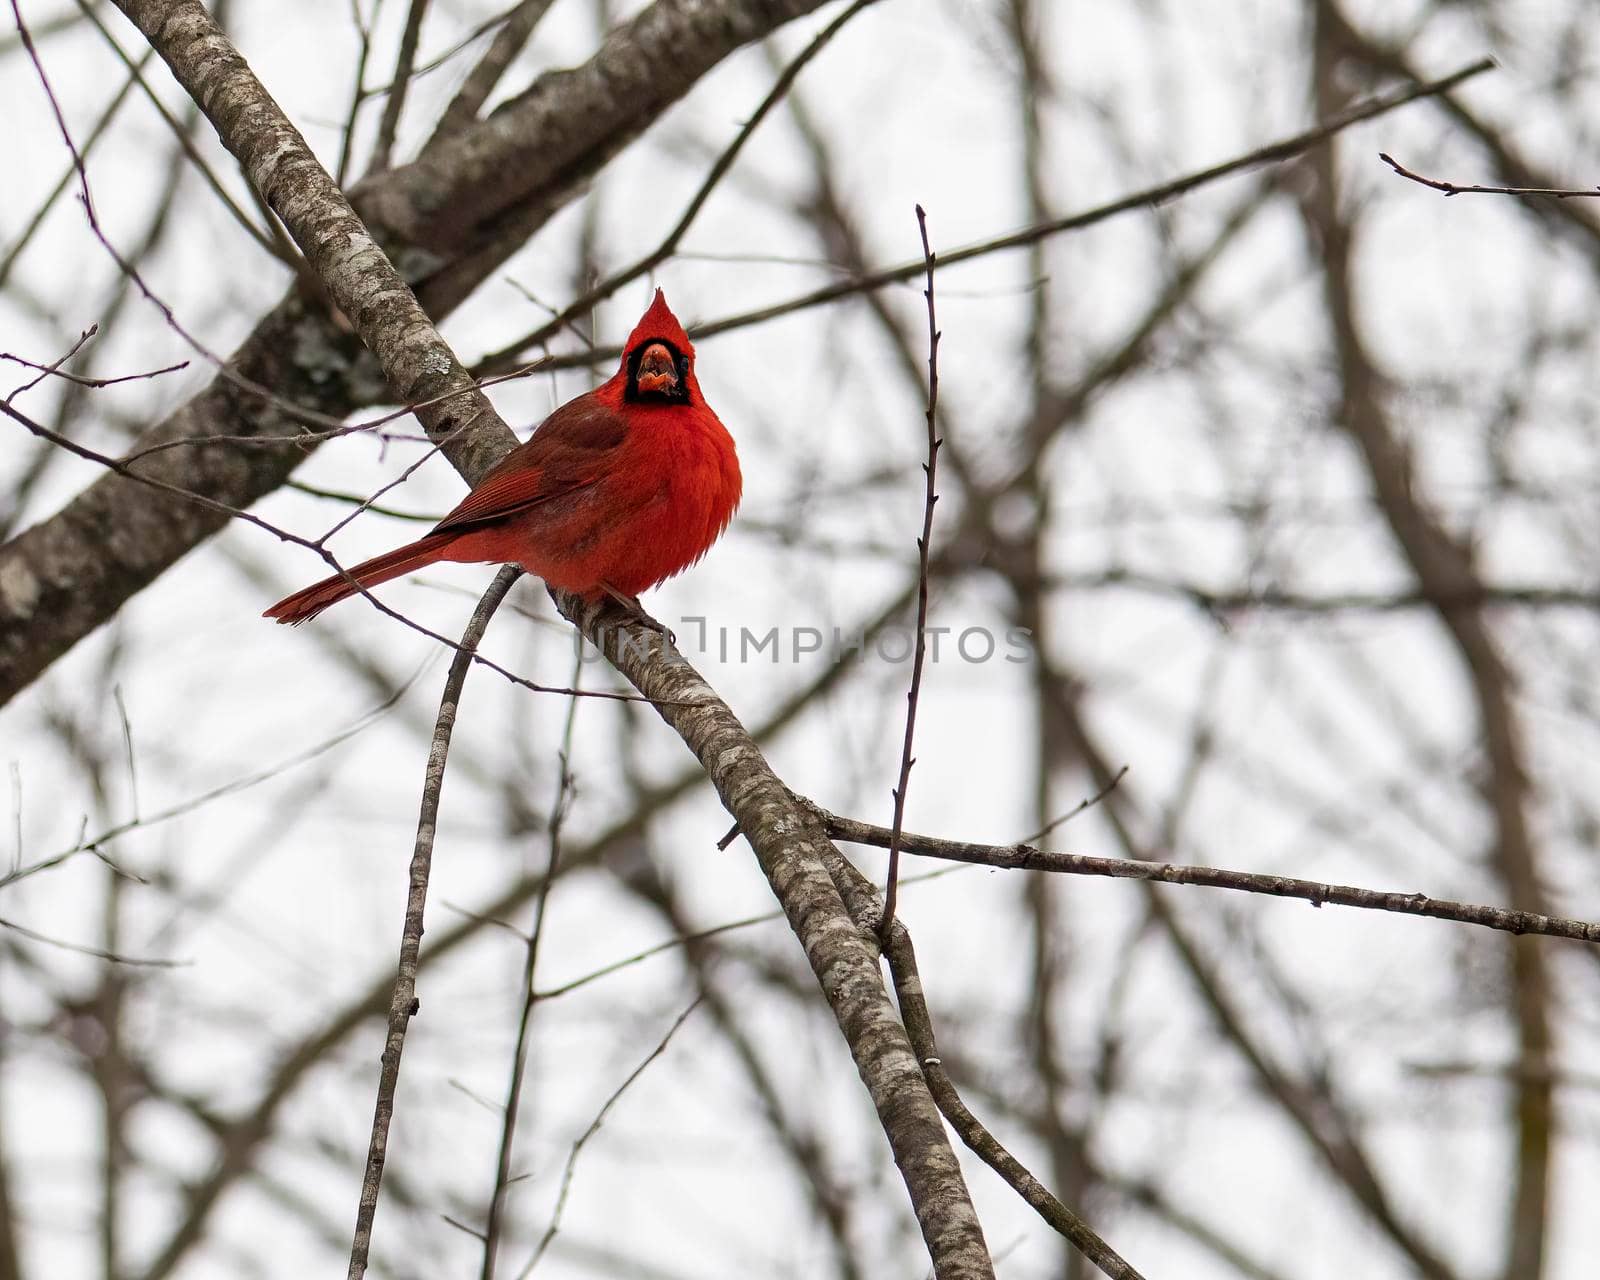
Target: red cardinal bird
{"type": "Point", "coordinates": [615, 491]}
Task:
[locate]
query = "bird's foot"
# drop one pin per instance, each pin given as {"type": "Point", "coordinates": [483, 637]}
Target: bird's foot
{"type": "Point", "coordinates": [636, 613]}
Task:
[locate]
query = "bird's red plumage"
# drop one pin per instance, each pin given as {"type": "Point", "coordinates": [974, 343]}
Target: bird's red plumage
{"type": "Point", "coordinates": [613, 493]}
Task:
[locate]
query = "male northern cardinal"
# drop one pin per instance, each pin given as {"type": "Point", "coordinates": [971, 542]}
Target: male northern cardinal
{"type": "Point", "coordinates": [615, 491]}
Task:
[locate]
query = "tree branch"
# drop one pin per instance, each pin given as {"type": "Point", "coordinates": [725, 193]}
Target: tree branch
{"type": "Point", "coordinates": [1026, 857]}
{"type": "Point", "coordinates": [403, 1003]}
{"type": "Point", "coordinates": [792, 849]}
{"type": "Point", "coordinates": [930, 497]}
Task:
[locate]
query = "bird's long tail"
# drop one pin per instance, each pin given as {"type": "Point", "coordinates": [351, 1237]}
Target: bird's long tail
{"type": "Point", "coordinates": [307, 604]}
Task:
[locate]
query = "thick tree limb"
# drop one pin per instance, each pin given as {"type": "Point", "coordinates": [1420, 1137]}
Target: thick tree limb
{"type": "Point", "coordinates": [793, 850]}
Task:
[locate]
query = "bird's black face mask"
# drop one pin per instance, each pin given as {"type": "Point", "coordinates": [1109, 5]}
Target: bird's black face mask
{"type": "Point", "coordinates": [658, 373]}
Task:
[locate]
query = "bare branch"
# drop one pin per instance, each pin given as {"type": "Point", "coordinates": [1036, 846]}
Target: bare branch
{"type": "Point", "coordinates": [1026, 857]}
{"type": "Point", "coordinates": [90, 142]}
{"type": "Point", "coordinates": [99, 953]}
{"type": "Point", "coordinates": [403, 1003]}
{"type": "Point", "coordinates": [594, 1128]}
{"type": "Point", "coordinates": [515, 29]}
{"type": "Point", "coordinates": [919, 1026]}
{"type": "Point", "coordinates": [180, 132]}
{"type": "Point", "coordinates": [1455, 189]}
{"type": "Point", "coordinates": [930, 470]}
{"type": "Point", "coordinates": [1444, 565]}
{"type": "Point", "coordinates": [530, 997]}
{"type": "Point", "coordinates": [395, 103]}
{"type": "Point", "coordinates": [357, 274]}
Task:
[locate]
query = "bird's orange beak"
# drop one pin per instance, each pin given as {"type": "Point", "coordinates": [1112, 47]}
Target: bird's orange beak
{"type": "Point", "coordinates": [658, 372]}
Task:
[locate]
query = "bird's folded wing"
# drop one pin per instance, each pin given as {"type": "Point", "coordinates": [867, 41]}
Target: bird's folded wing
{"type": "Point", "coordinates": [570, 451]}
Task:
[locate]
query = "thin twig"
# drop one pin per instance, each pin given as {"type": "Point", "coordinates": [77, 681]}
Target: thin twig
{"type": "Point", "coordinates": [689, 939]}
{"type": "Point", "coordinates": [45, 370]}
{"type": "Point", "coordinates": [42, 30]}
{"type": "Point", "coordinates": [102, 125]}
{"type": "Point", "coordinates": [364, 502]}
{"type": "Point", "coordinates": [127, 745]}
{"type": "Point", "coordinates": [594, 1127]}
{"type": "Point", "coordinates": [517, 25]}
{"type": "Point", "coordinates": [403, 1004]}
{"type": "Point", "coordinates": [919, 1026]}
{"type": "Point", "coordinates": [530, 997]}
{"type": "Point", "coordinates": [115, 957]}
{"type": "Point", "coordinates": [395, 103]}
{"type": "Point", "coordinates": [358, 93]}
{"type": "Point", "coordinates": [1088, 802]}
{"type": "Point", "coordinates": [181, 133]}
{"type": "Point", "coordinates": [1025, 857]}
{"type": "Point", "coordinates": [449, 55]}
{"type": "Point", "coordinates": [224, 368]}
{"type": "Point", "coordinates": [930, 470]}
{"type": "Point", "coordinates": [87, 844]}
{"type": "Point", "coordinates": [94, 384]}
{"type": "Point", "coordinates": [121, 468]}
{"type": "Point", "coordinates": [1455, 189]}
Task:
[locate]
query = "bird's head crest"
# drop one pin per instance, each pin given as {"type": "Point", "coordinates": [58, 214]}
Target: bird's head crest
{"type": "Point", "coordinates": [658, 324]}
